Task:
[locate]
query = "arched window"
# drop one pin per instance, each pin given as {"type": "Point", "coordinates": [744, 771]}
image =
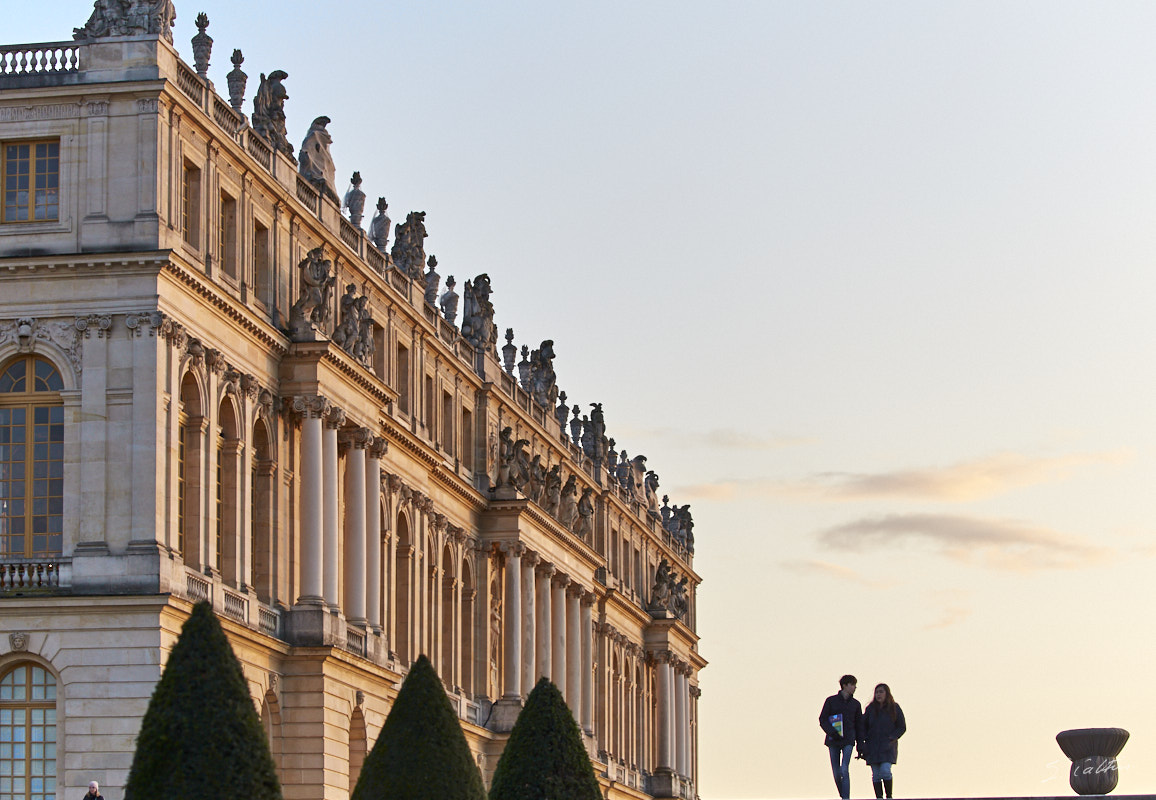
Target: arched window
{"type": "Point", "coordinates": [28, 733]}
{"type": "Point", "coordinates": [190, 445]}
{"type": "Point", "coordinates": [31, 459]}
{"type": "Point", "coordinates": [261, 495]}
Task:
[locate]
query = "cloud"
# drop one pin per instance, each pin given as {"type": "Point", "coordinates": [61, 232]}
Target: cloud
{"type": "Point", "coordinates": [827, 569]}
{"type": "Point", "coordinates": [996, 543]}
{"type": "Point", "coordinates": [719, 438]}
{"type": "Point", "coordinates": [963, 481]}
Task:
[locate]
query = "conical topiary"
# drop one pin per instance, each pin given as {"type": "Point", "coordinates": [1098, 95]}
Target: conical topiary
{"type": "Point", "coordinates": [421, 753]}
{"type": "Point", "coordinates": [201, 736]}
{"type": "Point", "coordinates": [545, 758]}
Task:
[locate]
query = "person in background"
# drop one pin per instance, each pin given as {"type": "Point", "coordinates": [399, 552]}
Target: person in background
{"type": "Point", "coordinates": [883, 724]}
{"type": "Point", "coordinates": [93, 792]}
{"type": "Point", "coordinates": [842, 720]}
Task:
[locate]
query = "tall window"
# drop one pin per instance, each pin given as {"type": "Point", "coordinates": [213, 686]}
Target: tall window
{"type": "Point", "coordinates": [227, 236]}
{"type": "Point", "coordinates": [31, 177]}
{"type": "Point", "coordinates": [31, 459]}
{"type": "Point", "coordinates": [262, 268]}
{"type": "Point", "coordinates": [191, 204]}
{"type": "Point", "coordinates": [402, 366]}
{"type": "Point", "coordinates": [27, 734]}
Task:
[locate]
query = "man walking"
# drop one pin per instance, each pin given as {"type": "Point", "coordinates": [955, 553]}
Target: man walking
{"type": "Point", "coordinates": [842, 720]}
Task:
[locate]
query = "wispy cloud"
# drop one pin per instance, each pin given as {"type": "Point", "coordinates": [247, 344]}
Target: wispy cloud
{"type": "Point", "coordinates": [996, 543]}
{"type": "Point", "coordinates": [829, 570]}
{"type": "Point", "coordinates": [718, 438]}
{"type": "Point", "coordinates": [962, 481]}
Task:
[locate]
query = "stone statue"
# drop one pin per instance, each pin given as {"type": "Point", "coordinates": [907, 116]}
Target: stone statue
{"type": "Point", "coordinates": [622, 471]}
{"type": "Point", "coordinates": [536, 480]}
{"type": "Point", "coordinates": [553, 490]}
{"type": "Point", "coordinates": [345, 334]}
{"type": "Point", "coordinates": [409, 245]}
{"type": "Point", "coordinates": [311, 310]}
{"type": "Point", "coordinates": [129, 18]}
{"type": "Point", "coordinates": [638, 476]}
{"type": "Point", "coordinates": [495, 636]}
{"type": "Point", "coordinates": [651, 483]}
{"type": "Point", "coordinates": [543, 380]}
{"type": "Point", "coordinates": [354, 200]}
{"type": "Point", "coordinates": [576, 426]}
{"type": "Point", "coordinates": [432, 281]}
{"type": "Point", "coordinates": [520, 466]}
{"type": "Point", "coordinates": [679, 602]}
{"type": "Point", "coordinates": [315, 162]}
{"type": "Point", "coordinates": [660, 592]}
{"type": "Point", "coordinates": [236, 80]}
{"type": "Point", "coordinates": [505, 456]}
{"type": "Point", "coordinates": [364, 347]}
{"type": "Point", "coordinates": [379, 226]}
{"type": "Point", "coordinates": [269, 111]}
{"type": "Point", "coordinates": [202, 45]}
{"type": "Point", "coordinates": [587, 437]}
{"type": "Point", "coordinates": [524, 369]}
{"type": "Point", "coordinates": [568, 506]}
{"type": "Point", "coordinates": [561, 412]}
{"type": "Point", "coordinates": [478, 314]}
{"type": "Point", "coordinates": [449, 301]}
{"type": "Point", "coordinates": [598, 431]}
{"type": "Point", "coordinates": [585, 525]}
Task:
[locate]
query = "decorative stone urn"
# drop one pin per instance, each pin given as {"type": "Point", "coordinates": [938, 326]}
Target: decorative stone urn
{"type": "Point", "coordinates": [1093, 752]}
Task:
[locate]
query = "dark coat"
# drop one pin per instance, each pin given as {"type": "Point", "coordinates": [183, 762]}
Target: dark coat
{"type": "Point", "coordinates": [852, 716]}
{"type": "Point", "coordinates": [882, 734]}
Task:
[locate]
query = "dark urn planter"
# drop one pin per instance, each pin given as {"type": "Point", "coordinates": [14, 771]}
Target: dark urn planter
{"type": "Point", "coordinates": [1093, 752]}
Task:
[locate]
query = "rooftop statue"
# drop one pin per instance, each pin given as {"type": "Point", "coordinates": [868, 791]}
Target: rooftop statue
{"type": "Point", "coordinates": [568, 507]}
{"type": "Point", "coordinates": [354, 200]}
{"type": "Point", "coordinates": [379, 226]}
{"type": "Point", "coordinates": [311, 311]}
{"type": "Point", "coordinates": [661, 591]}
{"type": "Point", "coordinates": [553, 492]}
{"type": "Point", "coordinates": [537, 480]}
{"type": "Point", "coordinates": [315, 162]}
{"type": "Point", "coordinates": [585, 526]}
{"type": "Point", "coordinates": [269, 111]}
{"type": "Point", "coordinates": [478, 315]}
{"type": "Point", "coordinates": [409, 245]}
{"type": "Point", "coordinates": [345, 334]}
{"type": "Point", "coordinates": [449, 301]}
{"type": "Point", "coordinates": [598, 430]}
{"type": "Point", "coordinates": [432, 280]}
{"type": "Point", "coordinates": [129, 18]}
{"type": "Point", "coordinates": [543, 380]}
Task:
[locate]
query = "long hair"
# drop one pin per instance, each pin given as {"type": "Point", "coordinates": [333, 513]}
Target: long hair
{"type": "Point", "coordinates": [888, 702]}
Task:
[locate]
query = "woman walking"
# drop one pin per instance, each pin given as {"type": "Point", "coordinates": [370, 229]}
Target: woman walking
{"type": "Point", "coordinates": [883, 724]}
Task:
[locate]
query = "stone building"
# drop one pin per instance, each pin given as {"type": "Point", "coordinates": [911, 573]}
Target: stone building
{"type": "Point", "coordinates": [214, 385]}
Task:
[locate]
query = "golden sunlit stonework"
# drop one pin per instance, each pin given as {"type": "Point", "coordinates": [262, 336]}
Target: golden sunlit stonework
{"type": "Point", "coordinates": [215, 385]}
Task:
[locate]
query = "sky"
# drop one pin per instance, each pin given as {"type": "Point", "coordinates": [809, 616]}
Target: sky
{"type": "Point", "coordinates": [871, 285]}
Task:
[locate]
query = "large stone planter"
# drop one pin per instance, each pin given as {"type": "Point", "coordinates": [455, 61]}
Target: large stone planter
{"type": "Point", "coordinates": [1093, 752]}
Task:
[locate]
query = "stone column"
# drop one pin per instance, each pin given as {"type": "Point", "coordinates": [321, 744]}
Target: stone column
{"type": "Point", "coordinates": [373, 569]}
{"type": "Point", "coordinates": [586, 717]}
{"type": "Point", "coordinates": [681, 723]}
{"type": "Point", "coordinates": [529, 623]}
{"type": "Point", "coordinates": [512, 642]}
{"type": "Point", "coordinates": [664, 679]}
{"type": "Point", "coordinates": [558, 634]}
{"type": "Point", "coordinates": [333, 421]}
{"type": "Point", "coordinates": [574, 650]}
{"type": "Point", "coordinates": [542, 620]}
{"type": "Point", "coordinates": [312, 553]}
{"type": "Point", "coordinates": [355, 573]}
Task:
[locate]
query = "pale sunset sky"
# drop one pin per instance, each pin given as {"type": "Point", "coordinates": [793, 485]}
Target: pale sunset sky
{"type": "Point", "coordinates": [873, 286]}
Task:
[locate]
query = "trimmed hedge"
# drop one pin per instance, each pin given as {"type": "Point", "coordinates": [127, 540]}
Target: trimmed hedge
{"type": "Point", "coordinates": [545, 758]}
{"type": "Point", "coordinates": [421, 752]}
{"type": "Point", "coordinates": [201, 736]}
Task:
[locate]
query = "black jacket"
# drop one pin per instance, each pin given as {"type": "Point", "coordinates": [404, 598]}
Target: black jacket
{"type": "Point", "coordinates": [882, 734]}
{"type": "Point", "coordinates": [87, 796]}
{"type": "Point", "coordinates": [851, 714]}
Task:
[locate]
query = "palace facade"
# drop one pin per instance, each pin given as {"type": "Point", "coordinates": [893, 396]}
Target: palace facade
{"type": "Point", "coordinates": [216, 385]}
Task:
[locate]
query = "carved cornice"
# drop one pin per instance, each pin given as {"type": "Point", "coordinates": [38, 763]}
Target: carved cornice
{"type": "Point", "coordinates": [237, 314]}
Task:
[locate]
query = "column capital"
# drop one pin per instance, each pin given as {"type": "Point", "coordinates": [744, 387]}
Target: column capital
{"type": "Point", "coordinates": [530, 558]}
{"type": "Point", "coordinates": [335, 417]}
{"type": "Point", "coordinates": [545, 569]}
{"type": "Point", "coordinates": [695, 692]}
{"type": "Point", "coordinates": [575, 590]}
{"type": "Point", "coordinates": [560, 580]}
{"type": "Point", "coordinates": [378, 447]}
{"type": "Point", "coordinates": [662, 657]}
{"type": "Point", "coordinates": [438, 522]}
{"type": "Point", "coordinates": [603, 628]}
{"type": "Point", "coordinates": [513, 549]}
{"type": "Point", "coordinates": [393, 482]}
{"type": "Point", "coordinates": [360, 438]}
{"type": "Point", "coordinates": [589, 597]}
{"type": "Point", "coordinates": [311, 405]}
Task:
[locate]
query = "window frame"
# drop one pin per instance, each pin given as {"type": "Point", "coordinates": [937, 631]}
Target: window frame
{"type": "Point", "coordinates": [31, 205]}
{"type": "Point", "coordinates": [29, 704]}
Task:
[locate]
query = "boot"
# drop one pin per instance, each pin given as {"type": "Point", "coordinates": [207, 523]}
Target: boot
{"type": "Point", "coordinates": [887, 785]}
{"type": "Point", "coordinates": [878, 788]}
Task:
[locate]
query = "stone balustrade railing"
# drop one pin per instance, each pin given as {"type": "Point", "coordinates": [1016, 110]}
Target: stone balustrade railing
{"type": "Point", "coordinates": [46, 58]}
{"type": "Point", "coordinates": [34, 574]}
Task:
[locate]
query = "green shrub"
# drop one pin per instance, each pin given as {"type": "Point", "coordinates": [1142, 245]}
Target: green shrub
{"type": "Point", "coordinates": [545, 758]}
{"type": "Point", "coordinates": [201, 736]}
{"type": "Point", "coordinates": [421, 752]}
